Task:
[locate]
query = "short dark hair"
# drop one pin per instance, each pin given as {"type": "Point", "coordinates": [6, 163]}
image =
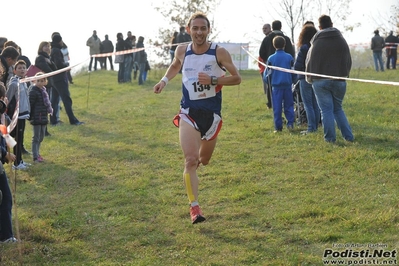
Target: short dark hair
{"type": "Point", "coordinates": [10, 52]}
{"type": "Point", "coordinates": [279, 42]}
{"type": "Point", "coordinates": [276, 25]}
{"type": "Point", "coordinates": [325, 22]}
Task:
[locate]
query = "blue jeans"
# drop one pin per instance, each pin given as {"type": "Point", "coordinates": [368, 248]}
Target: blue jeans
{"type": "Point", "coordinates": [172, 55]}
{"type": "Point", "coordinates": [5, 207]}
{"type": "Point", "coordinates": [141, 71]}
{"type": "Point", "coordinates": [121, 73]}
{"type": "Point", "coordinates": [128, 62]}
{"type": "Point", "coordinates": [283, 97]}
{"type": "Point", "coordinates": [310, 104]}
{"type": "Point", "coordinates": [330, 95]}
{"type": "Point", "coordinates": [378, 59]}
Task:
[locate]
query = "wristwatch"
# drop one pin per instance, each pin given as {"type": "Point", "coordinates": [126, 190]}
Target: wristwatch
{"type": "Point", "coordinates": [214, 80]}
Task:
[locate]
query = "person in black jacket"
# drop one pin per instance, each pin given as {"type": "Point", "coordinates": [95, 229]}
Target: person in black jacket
{"type": "Point", "coordinates": [266, 48]}
{"type": "Point", "coordinates": [44, 63]}
{"type": "Point", "coordinates": [108, 47]}
{"type": "Point", "coordinates": [40, 108]}
{"type": "Point", "coordinates": [61, 85]}
{"type": "Point", "coordinates": [120, 46]}
{"type": "Point", "coordinates": [6, 233]}
{"type": "Point", "coordinates": [391, 48]}
{"type": "Point", "coordinates": [141, 58]}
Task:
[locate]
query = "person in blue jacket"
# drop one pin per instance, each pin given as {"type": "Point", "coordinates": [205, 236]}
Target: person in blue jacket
{"type": "Point", "coordinates": [281, 82]}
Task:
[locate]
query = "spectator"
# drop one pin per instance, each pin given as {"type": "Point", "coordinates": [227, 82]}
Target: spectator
{"type": "Point", "coordinates": [266, 29]}
{"type": "Point", "coordinates": [3, 40]}
{"type": "Point", "coordinates": [183, 36]}
{"type": "Point", "coordinates": [119, 59]}
{"type": "Point", "coordinates": [329, 55]}
{"type": "Point", "coordinates": [108, 47]}
{"type": "Point", "coordinates": [94, 43]}
{"type": "Point", "coordinates": [281, 85]}
{"type": "Point", "coordinates": [40, 109]}
{"type": "Point", "coordinates": [173, 45]}
{"type": "Point", "coordinates": [267, 49]}
{"type": "Point", "coordinates": [61, 84]}
{"type": "Point", "coordinates": [306, 89]}
{"type": "Point", "coordinates": [141, 58]}
{"type": "Point", "coordinates": [8, 58]}
{"type": "Point", "coordinates": [377, 44]}
{"type": "Point", "coordinates": [17, 93]}
{"type": "Point", "coordinates": [128, 60]}
{"type": "Point", "coordinates": [391, 50]}
{"type": "Point", "coordinates": [146, 69]}
{"type": "Point", "coordinates": [6, 233]}
{"type": "Point", "coordinates": [44, 63]}
{"type": "Point", "coordinates": [21, 56]}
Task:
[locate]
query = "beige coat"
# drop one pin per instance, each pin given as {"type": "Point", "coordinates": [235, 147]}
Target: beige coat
{"type": "Point", "coordinates": [94, 45]}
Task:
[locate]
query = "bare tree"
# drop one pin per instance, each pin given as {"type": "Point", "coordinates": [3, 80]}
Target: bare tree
{"type": "Point", "coordinates": [387, 21]}
{"type": "Point", "coordinates": [295, 13]}
{"type": "Point", "coordinates": [178, 14]}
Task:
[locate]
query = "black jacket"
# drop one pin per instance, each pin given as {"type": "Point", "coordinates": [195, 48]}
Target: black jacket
{"type": "Point", "coordinates": [140, 55]}
{"type": "Point", "coordinates": [108, 47]}
{"type": "Point", "coordinates": [120, 45]}
{"type": "Point", "coordinates": [44, 62]}
{"type": "Point", "coordinates": [393, 42]}
{"type": "Point", "coordinates": [329, 55]}
{"type": "Point", "coordinates": [38, 110]}
{"type": "Point", "coordinates": [58, 58]}
{"type": "Point", "coordinates": [267, 49]}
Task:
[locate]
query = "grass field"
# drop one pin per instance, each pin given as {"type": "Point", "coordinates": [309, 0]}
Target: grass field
{"type": "Point", "coordinates": [111, 191]}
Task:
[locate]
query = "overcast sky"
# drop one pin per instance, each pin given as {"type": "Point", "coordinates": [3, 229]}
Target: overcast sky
{"type": "Point", "coordinates": [236, 21]}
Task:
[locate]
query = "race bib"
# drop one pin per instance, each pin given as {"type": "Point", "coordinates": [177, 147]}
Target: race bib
{"type": "Point", "coordinates": [199, 91]}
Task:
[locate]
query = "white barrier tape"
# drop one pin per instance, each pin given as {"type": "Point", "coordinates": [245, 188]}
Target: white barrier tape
{"type": "Point", "coordinates": [46, 75]}
{"type": "Point", "coordinates": [320, 75]}
{"type": "Point", "coordinates": [135, 50]}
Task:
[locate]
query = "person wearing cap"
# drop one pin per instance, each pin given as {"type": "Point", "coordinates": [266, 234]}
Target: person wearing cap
{"type": "Point", "coordinates": [61, 85]}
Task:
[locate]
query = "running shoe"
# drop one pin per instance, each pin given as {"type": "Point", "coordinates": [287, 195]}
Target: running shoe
{"type": "Point", "coordinates": [196, 214]}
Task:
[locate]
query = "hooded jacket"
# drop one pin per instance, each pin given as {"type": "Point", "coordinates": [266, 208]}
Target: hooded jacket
{"type": "Point", "coordinates": [12, 95]}
{"type": "Point", "coordinates": [328, 55]}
